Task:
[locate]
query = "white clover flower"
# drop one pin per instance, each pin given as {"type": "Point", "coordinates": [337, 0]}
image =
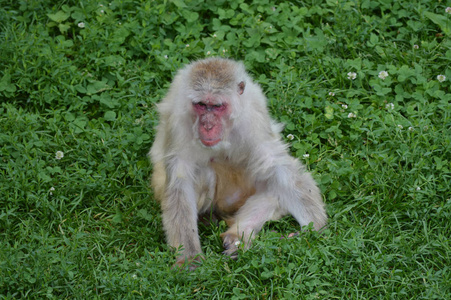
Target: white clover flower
{"type": "Point", "coordinates": [441, 78]}
{"type": "Point", "coordinates": [208, 52]}
{"type": "Point", "coordinates": [416, 47]}
{"type": "Point", "coordinates": [383, 74]}
{"type": "Point", "coordinates": [187, 45]}
{"type": "Point", "coordinates": [400, 126]}
{"type": "Point", "coordinates": [352, 75]}
{"type": "Point", "coordinates": [411, 128]}
{"type": "Point", "coordinates": [344, 106]}
{"type": "Point", "coordinates": [418, 188]}
{"type": "Point", "coordinates": [290, 137]}
{"type": "Point", "coordinates": [214, 35]}
{"type": "Point", "coordinates": [389, 106]}
{"type": "Point", "coordinates": [51, 190]}
{"type": "Point", "coordinates": [448, 10]}
{"type": "Point", "coordinates": [102, 11]}
{"type": "Point", "coordinates": [352, 115]}
{"type": "Point", "coordinates": [237, 243]}
{"type": "Point", "coordinates": [331, 94]}
{"type": "Point", "coordinates": [81, 25]}
{"type": "Point", "coordinates": [166, 57]}
{"type": "Point", "coordinates": [306, 155]}
{"type": "Point", "coordinates": [59, 154]}
{"type": "Point", "coordinates": [134, 276]}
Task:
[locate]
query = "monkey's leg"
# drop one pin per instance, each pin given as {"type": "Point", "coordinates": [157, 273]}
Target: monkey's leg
{"type": "Point", "coordinates": [249, 220]}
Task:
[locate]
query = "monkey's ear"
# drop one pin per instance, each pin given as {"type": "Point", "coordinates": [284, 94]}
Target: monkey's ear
{"type": "Point", "coordinates": [241, 86]}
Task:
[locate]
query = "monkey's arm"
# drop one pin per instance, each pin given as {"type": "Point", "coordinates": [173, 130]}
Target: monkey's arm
{"type": "Point", "coordinates": [179, 209]}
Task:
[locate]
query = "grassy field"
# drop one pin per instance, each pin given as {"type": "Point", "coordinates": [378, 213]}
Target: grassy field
{"type": "Point", "coordinates": [362, 86]}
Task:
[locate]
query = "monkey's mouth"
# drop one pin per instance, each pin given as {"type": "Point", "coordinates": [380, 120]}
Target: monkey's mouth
{"type": "Point", "coordinates": [210, 143]}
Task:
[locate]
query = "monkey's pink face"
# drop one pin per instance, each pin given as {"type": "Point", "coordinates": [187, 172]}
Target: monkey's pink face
{"type": "Point", "coordinates": [210, 121]}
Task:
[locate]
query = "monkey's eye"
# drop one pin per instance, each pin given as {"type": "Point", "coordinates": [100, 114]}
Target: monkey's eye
{"type": "Point", "coordinates": [219, 107]}
{"type": "Point", "coordinates": [200, 105]}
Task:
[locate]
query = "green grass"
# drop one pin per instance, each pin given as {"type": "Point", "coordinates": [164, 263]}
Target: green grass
{"type": "Point", "coordinates": [83, 79]}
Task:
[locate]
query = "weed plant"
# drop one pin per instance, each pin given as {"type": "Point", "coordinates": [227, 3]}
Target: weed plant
{"type": "Point", "coordinates": [362, 86]}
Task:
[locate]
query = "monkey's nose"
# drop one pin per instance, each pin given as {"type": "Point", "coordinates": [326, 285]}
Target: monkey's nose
{"type": "Point", "coordinates": [208, 126]}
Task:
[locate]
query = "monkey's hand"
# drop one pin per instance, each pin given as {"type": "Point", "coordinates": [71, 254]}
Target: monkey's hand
{"type": "Point", "coordinates": [190, 264]}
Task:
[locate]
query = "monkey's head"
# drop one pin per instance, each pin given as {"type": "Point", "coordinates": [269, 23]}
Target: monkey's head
{"type": "Point", "coordinates": [215, 88]}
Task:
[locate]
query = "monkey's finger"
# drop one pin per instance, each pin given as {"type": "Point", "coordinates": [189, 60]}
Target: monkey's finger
{"type": "Point", "coordinates": [232, 253]}
{"type": "Point", "coordinates": [189, 264]}
{"type": "Point", "coordinates": [293, 234]}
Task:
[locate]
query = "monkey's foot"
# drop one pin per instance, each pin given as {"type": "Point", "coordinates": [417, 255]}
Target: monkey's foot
{"type": "Point", "coordinates": [231, 243]}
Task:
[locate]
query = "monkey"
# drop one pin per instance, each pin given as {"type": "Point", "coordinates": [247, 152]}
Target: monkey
{"type": "Point", "coordinates": [217, 149]}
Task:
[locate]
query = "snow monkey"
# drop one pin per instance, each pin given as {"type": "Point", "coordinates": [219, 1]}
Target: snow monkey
{"type": "Point", "coordinates": [217, 149]}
